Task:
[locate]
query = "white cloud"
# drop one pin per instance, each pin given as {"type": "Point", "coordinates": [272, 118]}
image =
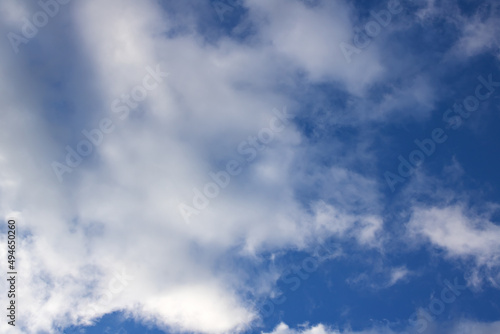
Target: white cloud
{"type": "Point", "coordinates": [282, 328]}
{"type": "Point", "coordinates": [458, 327]}
{"type": "Point", "coordinates": [310, 37]}
{"type": "Point", "coordinates": [398, 274]}
{"type": "Point", "coordinates": [478, 32]}
{"type": "Point", "coordinates": [478, 37]}
{"type": "Point", "coordinates": [119, 209]}
{"type": "Point", "coordinates": [460, 233]}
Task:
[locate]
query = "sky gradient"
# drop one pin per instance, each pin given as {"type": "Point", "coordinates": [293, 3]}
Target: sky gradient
{"type": "Point", "coordinates": [251, 166]}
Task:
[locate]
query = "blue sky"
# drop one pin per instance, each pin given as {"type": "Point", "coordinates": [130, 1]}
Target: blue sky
{"type": "Point", "coordinates": [251, 166]}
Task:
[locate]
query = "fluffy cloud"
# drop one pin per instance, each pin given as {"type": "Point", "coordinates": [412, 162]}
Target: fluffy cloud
{"type": "Point", "coordinates": [460, 233]}
{"type": "Point", "coordinates": [110, 236]}
{"type": "Point", "coordinates": [460, 327]}
{"type": "Point", "coordinates": [321, 329]}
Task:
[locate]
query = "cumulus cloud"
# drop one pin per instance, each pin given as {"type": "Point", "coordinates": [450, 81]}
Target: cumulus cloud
{"type": "Point", "coordinates": [110, 236]}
